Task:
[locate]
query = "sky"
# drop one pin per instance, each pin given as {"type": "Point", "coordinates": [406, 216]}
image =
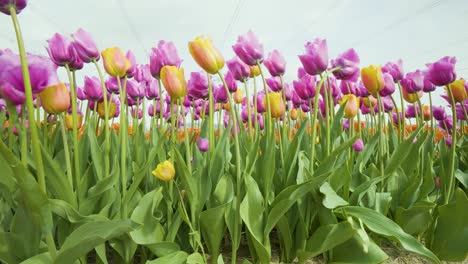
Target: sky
{"type": "Point", "coordinates": [419, 31]}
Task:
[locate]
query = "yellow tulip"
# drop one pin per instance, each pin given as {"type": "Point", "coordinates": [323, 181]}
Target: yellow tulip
{"type": "Point", "coordinates": [372, 78]}
{"type": "Point", "coordinates": [293, 113]}
{"type": "Point", "coordinates": [112, 109]}
{"type": "Point", "coordinates": [165, 171]}
{"type": "Point", "coordinates": [69, 121]}
{"type": "Point", "coordinates": [206, 55]}
{"type": "Point", "coordinates": [116, 63]}
{"type": "Point", "coordinates": [411, 97]}
{"type": "Point", "coordinates": [254, 71]}
{"type": "Point", "coordinates": [238, 96]}
{"type": "Point", "coordinates": [276, 104]}
{"type": "Point", "coordinates": [352, 105]}
{"type": "Point", "coordinates": [174, 81]}
{"type": "Point", "coordinates": [55, 99]}
{"type": "Point", "coordinates": [458, 90]}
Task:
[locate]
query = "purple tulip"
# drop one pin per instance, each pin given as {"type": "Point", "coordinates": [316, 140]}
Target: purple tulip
{"type": "Point", "coordinates": [387, 104]}
{"type": "Point", "coordinates": [395, 117]}
{"type": "Point", "coordinates": [349, 87]}
{"type": "Point", "coordinates": [198, 86]}
{"type": "Point", "coordinates": [76, 64]}
{"type": "Point", "coordinates": [93, 88]}
{"type": "Point", "coordinates": [389, 85]}
{"type": "Point", "coordinates": [446, 123]}
{"type": "Point", "coordinates": [275, 63]}
{"type": "Point", "coordinates": [305, 87]}
{"type": "Point", "coordinates": [442, 72]}
{"type": "Point", "coordinates": [274, 83]}
{"type": "Point", "coordinates": [261, 108]}
{"type": "Point", "coordinates": [448, 140]}
{"type": "Point", "coordinates": [203, 144]}
{"type": "Point", "coordinates": [133, 66]}
{"type": "Point", "coordinates": [143, 73]}
{"type": "Point", "coordinates": [413, 81]}
{"type": "Point", "coordinates": [112, 85]}
{"type": "Point", "coordinates": [249, 49]}
{"type": "Point", "coordinates": [231, 82]}
{"type": "Point", "coordinates": [394, 69]}
{"type": "Point", "coordinates": [288, 91]}
{"type": "Point", "coordinates": [333, 87]}
{"type": "Point", "coordinates": [358, 145]}
{"type": "Point", "coordinates": [240, 71]}
{"type": "Point", "coordinates": [42, 71]}
{"type": "Point", "coordinates": [411, 111]}
{"type": "Point", "coordinates": [347, 64]}
{"type": "Point", "coordinates": [301, 72]}
{"type": "Point", "coordinates": [135, 90]}
{"type": "Point", "coordinates": [134, 113]}
{"type": "Point", "coordinates": [164, 54]}
{"type": "Point", "coordinates": [151, 109]}
{"type": "Point", "coordinates": [439, 112]}
{"type": "Point", "coordinates": [85, 46]}
{"type": "Point", "coordinates": [220, 94]}
{"type": "Point", "coordinates": [315, 59]}
{"type": "Point", "coordinates": [296, 100]}
{"type": "Point", "coordinates": [61, 50]}
{"type": "Point", "coordinates": [428, 86]}
{"type": "Point", "coordinates": [19, 5]}
{"type": "Point", "coordinates": [81, 94]}
{"type": "Point", "coordinates": [460, 112]}
{"type": "Point", "coordinates": [152, 90]}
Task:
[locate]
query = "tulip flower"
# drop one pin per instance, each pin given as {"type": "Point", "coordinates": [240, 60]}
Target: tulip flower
{"type": "Point", "coordinates": [76, 64]}
{"type": "Point", "coordinates": [135, 90]}
{"type": "Point", "coordinates": [412, 111]}
{"type": "Point", "coordinates": [152, 90]}
{"type": "Point", "coordinates": [426, 112]}
{"type": "Point", "coordinates": [174, 81]}
{"type": "Point", "coordinates": [240, 71]}
{"type": "Point", "coordinates": [165, 54]}
{"type": "Point", "coordinates": [413, 81]}
{"type": "Point", "coordinates": [275, 63]}
{"type": "Point", "coordinates": [113, 106]}
{"type": "Point", "coordinates": [305, 87]}
{"type": "Point", "coordinates": [112, 86]}
{"type": "Point", "coordinates": [315, 59]}
{"type": "Point", "coordinates": [151, 110]}
{"type": "Point", "coordinates": [93, 88]}
{"type": "Point", "coordinates": [459, 90]}
{"type": "Point", "coordinates": [442, 72]}
{"type": "Point", "coordinates": [55, 99]}
{"type": "Point", "coordinates": [394, 69]}
{"type": "Point", "coordinates": [274, 83]}
{"type": "Point", "coordinates": [81, 93]}
{"type": "Point", "coordinates": [133, 66]}
{"type": "Point", "coordinates": [19, 5]}
{"type": "Point", "coordinates": [165, 171]}
{"type": "Point", "coordinates": [372, 78]}
{"type": "Point", "coordinates": [60, 50]}
{"type": "Point", "coordinates": [42, 71]}
{"type": "Point", "coordinates": [439, 113]}
{"type": "Point", "coordinates": [238, 96]}
{"type": "Point", "coordinates": [143, 73]}
{"type": "Point", "coordinates": [206, 55]}
{"type": "Point", "coordinates": [411, 97]}
{"type": "Point", "coordinates": [254, 71]}
{"type": "Point", "coordinates": [358, 145]}
{"type": "Point", "coordinates": [231, 82]}
{"type": "Point", "coordinates": [115, 62]}
{"type": "Point", "coordinates": [428, 86]}
{"type": "Point", "coordinates": [69, 120]}
{"type": "Point", "coordinates": [293, 114]}
{"type": "Point", "coordinates": [203, 144]}
{"type": "Point", "coordinates": [198, 86]}
{"type": "Point", "coordinates": [351, 105]}
{"type": "Point", "coordinates": [85, 46]}
{"type": "Point", "coordinates": [249, 49]}
{"type": "Point", "coordinates": [276, 104]}
{"type": "Point", "coordinates": [261, 102]}
{"type": "Point", "coordinates": [347, 64]}
{"type": "Point", "coordinates": [220, 94]}
{"type": "Point", "coordinates": [389, 85]}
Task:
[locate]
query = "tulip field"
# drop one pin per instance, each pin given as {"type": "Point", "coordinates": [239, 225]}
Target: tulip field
{"type": "Point", "coordinates": [233, 163]}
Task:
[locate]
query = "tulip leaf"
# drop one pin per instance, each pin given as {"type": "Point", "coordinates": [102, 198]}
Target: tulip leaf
{"type": "Point", "coordinates": [178, 257]}
{"type": "Point", "coordinates": [331, 200]}
{"type": "Point", "coordinates": [380, 224]}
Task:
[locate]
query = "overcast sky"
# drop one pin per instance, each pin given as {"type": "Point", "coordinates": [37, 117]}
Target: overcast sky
{"type": "Point", "coordinates": [419, 31]}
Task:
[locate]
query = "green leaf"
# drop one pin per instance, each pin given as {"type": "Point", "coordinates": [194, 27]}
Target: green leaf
{"type": "Point", "coordinates": [352, 251]}
{"type": "Point", "coordinates": [327, 237]}
{"type": "Point", "coordinates": [195, 258]}
{"type": "Point", "coordinates": [400, 154]}
{"type": "Point", "coordinates": [178, 257]}
{"type": "Point", "coordinates": [462, 177]}
{"type": "Point", "coordinates": [451, 233]}
{"type": "Point", "coordinates": [382, 225]}
{"type": "Point", "coordinates": [43, 258]}
{"type": "Point", "coordinates": [416, 219]}
{"type": "Point", "coordinates": [331, 200]}
{"type": "Point", "coordinates": [88, 236]}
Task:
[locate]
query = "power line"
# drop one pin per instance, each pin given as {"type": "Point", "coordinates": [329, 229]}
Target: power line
{"type": "Point", "coordinates": [233, 20]}
{"type": "Point", "coordinates": [131, 26]}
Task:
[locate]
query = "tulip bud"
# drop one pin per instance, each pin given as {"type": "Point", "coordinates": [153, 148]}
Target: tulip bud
{"type": "Point", "coordinates": [411, 97]}
{"type": "Point", "coordinates": [372, 78]}
{"type": "Point", "coordinates": [19, 5]}
{"type": "Point", "coordinates": [115, 62]}
{"type": "Point", "coordinates": [85, 46]}
{"type": "Point", "coordinates": [206, 55]}
{"type": "Point", "coordinates": [203, 144]}
{"type": "Point", "coordinates": [293, 113]}
{"type": "Point", "coordinates": [165, 171]}
{"type": "Point", "coordinates": [458, 90]}
{"type": "Point", "coordinates": [55, 99]}
{"type": "Point", "coordinates": [254, 71]}
{"type": "Point", "coordinates": [174, 81]}
{"type": "Point", "coordinates": [69, 121]}
{"type": "Point", "coordinates": [276, 104]}
{"type": "Point", "coordinates": [358, 145]}
{"type": "Point", "coordinates": [426, 113]}
{"type": "Point", "coordinates": [352, 105]}
{"type": "Point", "coordinates": [111, 106]}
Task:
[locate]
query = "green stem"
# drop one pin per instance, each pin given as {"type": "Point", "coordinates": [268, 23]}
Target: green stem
{"type": "Point", "coordinates": [188, 156]}
{"type": "Point", "coordinates": [66, 150]}
{"type": "Point", "coordinates": [402, 105]}
{"type": "Point", "coordinates": [32, 122]}
{"type": "Point", "coordinates": [451, 185]}
{"type": "Point", "coordinates": [400, 136]}
{"type": "Point", "coordinates": [106, 122]}
{"type": "Point", "coordinates": [432, 115]}
{"type": "Point", "coordinates": [267, 102]}
{"type": "Point", "coordinates": [211, 115]}
{"type": "Point", "coordinates": [314, 123]}
{"type": "Point", "coordinates": [123, 142]}
{"type": "Point", "coordinates": [248, 108]}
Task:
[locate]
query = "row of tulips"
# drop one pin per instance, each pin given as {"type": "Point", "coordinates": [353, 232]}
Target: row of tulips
{"type": "Point", "coordinates": [338, 163]}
